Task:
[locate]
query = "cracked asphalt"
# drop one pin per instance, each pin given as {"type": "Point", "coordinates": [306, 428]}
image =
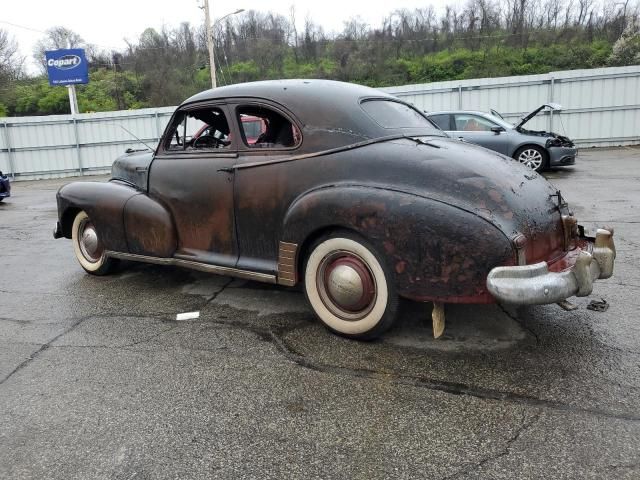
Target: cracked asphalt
{"type": "Point", "coordinates": [98, 379]}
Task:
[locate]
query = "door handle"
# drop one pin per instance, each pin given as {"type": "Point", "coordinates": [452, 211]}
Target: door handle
{"type": "Point", "coordinates": [141, 169]}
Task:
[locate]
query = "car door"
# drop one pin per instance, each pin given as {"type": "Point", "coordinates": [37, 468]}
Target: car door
{"type": "Point", "coordinates": [477, 129]}
{"type": "Point", "coordinates": [267, 132]}
{"type": "Point", "coordinates": [191, 176]}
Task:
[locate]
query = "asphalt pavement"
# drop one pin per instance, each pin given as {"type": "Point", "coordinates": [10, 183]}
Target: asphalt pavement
{"type": "Point", "coordinates": [99, 380]}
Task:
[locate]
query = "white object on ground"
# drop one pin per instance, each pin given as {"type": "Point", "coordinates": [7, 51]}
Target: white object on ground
{"type": "Point", "coordinates": [187, 316]}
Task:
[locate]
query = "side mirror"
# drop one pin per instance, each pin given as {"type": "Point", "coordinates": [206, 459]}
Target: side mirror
{"type": "Point", "coordinates": [497, 130]}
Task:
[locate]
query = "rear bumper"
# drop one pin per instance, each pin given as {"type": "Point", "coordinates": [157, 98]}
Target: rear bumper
{"type": "Point", "coordinates": [536, 285]}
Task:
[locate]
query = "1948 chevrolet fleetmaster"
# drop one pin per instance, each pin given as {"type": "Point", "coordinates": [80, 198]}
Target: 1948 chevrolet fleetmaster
{"type": "Point", "coordinates": [344, 188]}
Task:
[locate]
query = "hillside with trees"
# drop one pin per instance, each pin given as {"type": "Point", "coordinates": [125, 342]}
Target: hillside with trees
{"type": "Point", "coordinates": [484, 38]}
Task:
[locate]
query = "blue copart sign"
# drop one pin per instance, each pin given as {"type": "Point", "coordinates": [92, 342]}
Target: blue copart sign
{"type": "Point", "coordinates": [67, 66]}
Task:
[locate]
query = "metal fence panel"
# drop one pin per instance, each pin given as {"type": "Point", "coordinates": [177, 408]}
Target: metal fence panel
{"type": "Point", "coordinates": [601, 108]}
{"type": "Point", "coordinates": [64, 145]}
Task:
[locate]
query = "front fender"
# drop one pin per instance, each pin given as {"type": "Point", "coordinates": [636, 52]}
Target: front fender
{"type": "Point", "coordinates": [437, 251]}
{"type": "Point", "coordinates": [103, 202]}
{"type": "Point", "coordinates": [126, 220]}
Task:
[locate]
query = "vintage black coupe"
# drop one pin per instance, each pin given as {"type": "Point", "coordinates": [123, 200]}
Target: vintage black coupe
{"type": "Point", "coordinates": [344, 188]}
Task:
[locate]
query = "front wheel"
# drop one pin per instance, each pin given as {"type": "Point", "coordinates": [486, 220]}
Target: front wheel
{"type": "Point", "coordinates": [88, 247]}
{"type": "Point", "coordinates": [535, 158]}
{"type": "Point", "coordinates": [350, 287]}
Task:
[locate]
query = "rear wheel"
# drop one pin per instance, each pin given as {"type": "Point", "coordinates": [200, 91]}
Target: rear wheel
{"type": "Point", "coordinates": [88, 247]}
{"type": "Point", "coordinates": [350, 287]}
{"type": "Point", "coordinates": [533, 157]}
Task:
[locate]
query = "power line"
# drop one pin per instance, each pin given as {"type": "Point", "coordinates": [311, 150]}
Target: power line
{"type": "Point", "coordinates": [23, 27]}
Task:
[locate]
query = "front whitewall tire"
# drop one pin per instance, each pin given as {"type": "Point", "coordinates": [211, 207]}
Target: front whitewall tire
{"type": "Point", "coordinates": [98, 266]}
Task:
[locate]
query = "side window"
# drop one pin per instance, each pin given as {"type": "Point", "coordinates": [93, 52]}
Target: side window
{"type": "Point", "coordinates": [201, 129]}
{"type": "Point", "coordinates": [472, 123]}
{"type": "Point", "coordinates": [443, 121]}
{"type": "Point", "coordinates": [262, 127]}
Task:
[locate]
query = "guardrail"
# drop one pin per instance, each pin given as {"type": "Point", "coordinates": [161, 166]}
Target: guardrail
{"type": "Point", "coordinates": [601, 108]}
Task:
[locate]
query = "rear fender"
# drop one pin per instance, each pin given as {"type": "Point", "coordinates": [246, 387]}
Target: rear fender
{"type": "Point", "coordinates": [436, 251]}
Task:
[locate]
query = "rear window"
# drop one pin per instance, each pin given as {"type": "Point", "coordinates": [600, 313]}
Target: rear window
{"type": "Point", "coordinates": [390, 114]}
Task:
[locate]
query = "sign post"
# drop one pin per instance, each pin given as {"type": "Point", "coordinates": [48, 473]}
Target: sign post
{"type": "Point", "coordinates": [73, 100]}
{"type": "Point", "coordinates": [68, 66]}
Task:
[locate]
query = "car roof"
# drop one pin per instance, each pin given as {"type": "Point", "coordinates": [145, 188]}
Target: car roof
{"type": "Point", "coordinates": [328, 111]}
{"type": "Point", "coordinates": [313, 91]}
{"type": "Point", "coordinates": [316, 103]}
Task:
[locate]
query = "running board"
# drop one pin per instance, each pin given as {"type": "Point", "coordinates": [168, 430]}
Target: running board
{"type": "Point", "coordinates": [202, 267]}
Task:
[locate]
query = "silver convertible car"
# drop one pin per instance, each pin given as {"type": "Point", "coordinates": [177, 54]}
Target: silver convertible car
{"type": "Point", "coordinates": [536, 149]}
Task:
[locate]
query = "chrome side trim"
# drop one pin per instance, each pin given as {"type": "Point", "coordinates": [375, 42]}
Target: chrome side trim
{"type": "Point", "coordinates": [202, 267]}
{"type": "Point", "coordinates": [287, 272]}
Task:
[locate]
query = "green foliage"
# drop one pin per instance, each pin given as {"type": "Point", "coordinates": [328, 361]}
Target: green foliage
{"type": "Point", "coordinates": [107, 90]}
{"type": "Point", "coordinates": [463, 63]}
{"type": "Point", "coordinates": [110, 90]}
{"type": "Point", "coordinates": [38, 98]}
{"type": "Point", "coordinates": [244, 71]}
{"type": "Point", "coordinates": [166, 66]}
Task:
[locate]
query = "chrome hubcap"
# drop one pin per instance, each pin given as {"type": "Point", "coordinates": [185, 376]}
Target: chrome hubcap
{"type": "Point", "coordinates": [346, 285]}
{"type": "Point", "coordinates": [531, 158]}
{"type": "Point", "coordinates": [90, 245]}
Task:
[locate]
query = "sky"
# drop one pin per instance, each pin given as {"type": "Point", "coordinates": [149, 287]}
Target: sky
{"type": "Point", "coordinates": [107, 23]}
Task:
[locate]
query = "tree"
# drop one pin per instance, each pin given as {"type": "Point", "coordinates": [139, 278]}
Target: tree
{"type": "Point", "coordinates": [56, 38]}
{"type": "Point", "coordinates": [11, 70]}
{"type": "Point", "coordinates": [626, 50]}
{"type": "Point", "coordinates": [10, 60]}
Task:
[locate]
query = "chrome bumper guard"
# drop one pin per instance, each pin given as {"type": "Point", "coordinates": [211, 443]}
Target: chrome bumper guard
{"type": "Point", "coordinates": [536, 285]}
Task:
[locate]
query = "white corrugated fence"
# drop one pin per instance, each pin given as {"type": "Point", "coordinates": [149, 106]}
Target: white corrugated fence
{"type": "Point", "coordinates": [66, 145]}
{"type": "Point", "coordinates": [601, 108]}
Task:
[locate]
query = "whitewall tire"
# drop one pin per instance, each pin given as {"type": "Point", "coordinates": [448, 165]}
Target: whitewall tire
{"type": "Point", "coordinates": [349, 286]}
{"type": "Point", "coordinates": [88, 247]}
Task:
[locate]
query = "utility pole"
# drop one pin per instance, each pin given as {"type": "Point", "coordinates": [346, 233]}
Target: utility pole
{"type": "Point", "coordinates": [209, 28]}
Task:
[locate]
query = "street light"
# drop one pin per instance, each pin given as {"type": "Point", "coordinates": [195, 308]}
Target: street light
{"type": "Point", "coordinates": [207, 20]}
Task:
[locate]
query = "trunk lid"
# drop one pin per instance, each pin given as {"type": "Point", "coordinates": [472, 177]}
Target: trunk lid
{"type": "Point", "coordinates": [514, 198]}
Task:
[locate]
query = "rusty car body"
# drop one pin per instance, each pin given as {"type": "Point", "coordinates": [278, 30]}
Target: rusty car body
{"type": "Point", "coordinates": [351, 192]}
